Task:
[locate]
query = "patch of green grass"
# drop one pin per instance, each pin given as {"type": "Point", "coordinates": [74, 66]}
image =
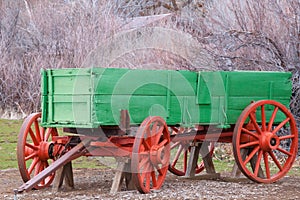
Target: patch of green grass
{"type": "Point", "coordinates": [295, 170]}
{"type": "Point", "coordinates": [223, 165]}
{"type": "Point", "coordinates": [9, 130]}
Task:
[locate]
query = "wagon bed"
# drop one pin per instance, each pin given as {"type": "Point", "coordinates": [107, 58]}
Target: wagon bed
{"type": "Point", "coordinates": [89, 98]}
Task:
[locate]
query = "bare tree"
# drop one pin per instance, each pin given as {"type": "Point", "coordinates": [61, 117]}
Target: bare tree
{"type": "Point", "coordinates": [235, 34]}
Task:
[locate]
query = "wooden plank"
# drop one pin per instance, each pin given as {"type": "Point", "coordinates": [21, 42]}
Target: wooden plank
{"type": "Point", "coordinates": [68, 173]}
{"type": "Point", "coordinates": [207, 158]}
{"type": "Point", "coordinates": [122, 172]}
{"type": "Point", "coordinates": [128, 176]}
{"type": "Point", "coordinates": [58, 180]}
{"type": "Point", "coordinates": [64, 173]}
{"type": "Point", "coordinates": [236, 172]}
{"type": "Point", "coordinates": [117, 181]}
{"type": "Point", "coordinates": [192, 162]}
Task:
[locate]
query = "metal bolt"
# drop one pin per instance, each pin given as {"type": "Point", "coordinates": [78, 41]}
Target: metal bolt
{"type": "Point", "coordinates": [15, 194]}
{"type": "Point", "coordinates": [273, 142]}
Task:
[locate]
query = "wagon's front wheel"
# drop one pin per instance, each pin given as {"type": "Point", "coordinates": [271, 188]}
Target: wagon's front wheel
{"type": "Point", "coordinates": [150, 154]}
{"type": "Point", "coordinates": [33, 148]}
{"type": "Point", "coordinates": [265, 141]}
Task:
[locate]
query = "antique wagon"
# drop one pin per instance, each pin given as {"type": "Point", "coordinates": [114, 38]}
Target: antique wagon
{"type": "Point", "coordinates": [156, 118]}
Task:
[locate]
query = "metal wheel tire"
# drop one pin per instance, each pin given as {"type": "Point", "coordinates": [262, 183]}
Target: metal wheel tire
{"type": "Point", "coordinates": [257, 144]}
{"type": "Point", "coordinates": [32, 149]}
{"type": "Point", "coordinates": [151, 154]}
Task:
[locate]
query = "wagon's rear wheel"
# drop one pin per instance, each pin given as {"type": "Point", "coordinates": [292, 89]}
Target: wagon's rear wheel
{"type": "Point", "coordinates": [151, 154]}
{"type": "Point", "coordinates": [180, 153]}
{"type": "Point", "coordinates": [34, 143]}
{"type": "Point", "coordinates": [260, 140]}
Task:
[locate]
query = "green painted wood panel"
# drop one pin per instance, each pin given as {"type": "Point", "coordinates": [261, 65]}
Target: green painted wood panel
{"type": "Point", "coordinates": [88, 98]}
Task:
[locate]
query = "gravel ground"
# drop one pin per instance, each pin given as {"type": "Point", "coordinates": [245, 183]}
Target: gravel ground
{"type": "Point", "coordinates": [95, 184]}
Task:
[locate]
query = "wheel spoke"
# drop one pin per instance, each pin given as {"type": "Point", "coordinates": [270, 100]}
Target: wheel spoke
{"type": "Point", "coordinates": [32, 166]}
{"type": "Point", "coordinates": [31, 156]}
{"type": "Point", "coordinates": [249, 144]}
{"type": "Point", "coordinates": [154, 181]}
{"type": "Point", "coordinates": [42, 132]}
{"type": "Point", "coordinates": [148, 132]}
{"type": "Point", "coordinates": [257, 164]}
{"type": "Point", "coordinates": [41, 169]}
{"type": "Point", "coordinates": [286, 137]}
{"type": "Point", "coordinates": [159, 134]}
{"type": "Point", "coordinates": [154, 134]}
{"type": "Point", "coordinates": [143, 175]}
{"type": "Point", "coordinates": [266, 161]}
{"type": "Point", "coordinates": [281, 125]}
{"type": "Point", "coordinates": [253, 119]}
{"type": "Point", "coordinates": [159, 171]}
{"type": "Point", "coordinates": [157, 138]}
{"type": "Point", "coordinates": [174, 145]}
{"type": "Point", "coordinates": [37, 168]}
{"type": "Point", "coordinates": [185, 160]}
{"type": "Point", "coordinates": [272, 119]}
{"type": "Point", "coordinates": [254, 151]}
{"type": "Point", "coordinates": [177, 155]}
{"type": "Point", "coordinates": [154, 128]}
{"type": "Point", "coordinates": [35, 141]}
{"type": "Point", "coordinates": [263, 118]}
{"type": "Point", "coordinates": [284, 151]}
{"type": "Point", "coordinates": [275, 160]}
{"type": "Point", "coordinates": [143, 162]}
{"type": "Point", "coordinates": [160, 130]}
{"type": "Point", "coordinates": [146, 144]}
{"type": "Point", "coordinates": [148, 176]}
{"type": "Point", "coordinates": [31, 146]}
{"type": "Point", "coordinates": [162, 143]}
{"type": "Point", "coordinates": [250, 133]}
{"type": "Point", "coordinates": [47, 135]}
{"type": "Point", "coordinates": [37, 131]}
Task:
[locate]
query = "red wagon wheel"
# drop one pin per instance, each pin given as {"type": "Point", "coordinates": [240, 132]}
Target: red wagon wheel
{"type": "Point", "coordinates": [180, 153]}
{"type": "Point", "coordinates": [258, 141]}
{"type": "Point", "coordinates": [33, 147]}
{"type": "Point", "coordinates": [151, 154]}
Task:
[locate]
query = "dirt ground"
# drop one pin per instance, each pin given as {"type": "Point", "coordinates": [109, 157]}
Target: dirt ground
{"type": "Point", "coordinates": [95, 184]}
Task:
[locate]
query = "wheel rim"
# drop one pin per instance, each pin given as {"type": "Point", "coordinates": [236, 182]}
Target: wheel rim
{"type": "Point", "coordinates": [33, 145]}
{"type": "Point", "coordinates": [151, 154]}
{"type": "Point", "coordinates": [258, 133]}
{"type": "Point", "coordinates": [180, 152]}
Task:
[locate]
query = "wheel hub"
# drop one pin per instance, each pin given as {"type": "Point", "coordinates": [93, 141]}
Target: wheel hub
{"type": "Point", "coordinates": [158, 155]}
{"type": "Point", "coordinates": [269, 141]}
{"type": "Point", "coordinates": [43, 150]}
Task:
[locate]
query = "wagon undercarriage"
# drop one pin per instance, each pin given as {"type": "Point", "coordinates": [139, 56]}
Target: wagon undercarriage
{"type": "Point", "coordinates": [156, 147]}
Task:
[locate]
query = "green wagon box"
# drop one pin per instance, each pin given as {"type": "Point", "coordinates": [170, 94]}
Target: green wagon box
{"type": "Point", "coordinates": [89, 98]}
